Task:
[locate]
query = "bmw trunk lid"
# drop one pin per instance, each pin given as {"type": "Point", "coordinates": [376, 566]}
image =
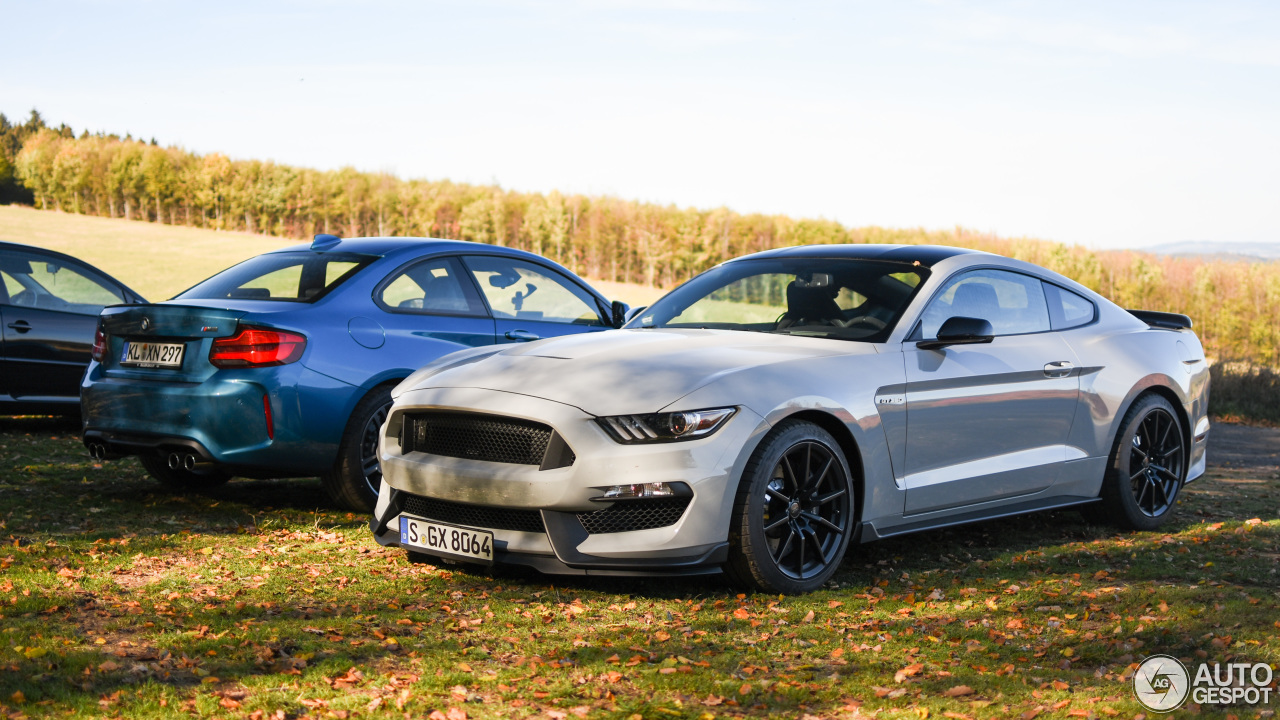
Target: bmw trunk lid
{"type": "Point", "coordinates": [164, 342]}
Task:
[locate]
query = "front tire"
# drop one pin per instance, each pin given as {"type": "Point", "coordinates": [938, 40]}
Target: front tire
{"type": "Point", "coordinates": [356, 476]}
{"type": "Point", "coordinates": [180, 479]}
{"type": "Point", "coordinates": [793, 514]}
{"type": "Point", "coordinates": [1148, 466]}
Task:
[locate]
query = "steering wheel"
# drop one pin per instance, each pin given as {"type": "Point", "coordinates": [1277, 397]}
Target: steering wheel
{"type": "Point", "coordinates": [873, 321]}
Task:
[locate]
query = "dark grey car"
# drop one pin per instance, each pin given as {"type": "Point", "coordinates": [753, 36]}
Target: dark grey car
{"type": "Point", "coordinates": [49, 306]}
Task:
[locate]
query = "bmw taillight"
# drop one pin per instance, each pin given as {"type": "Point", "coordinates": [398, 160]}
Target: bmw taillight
{"type": "Point", "coordinates": [99, 349]}
{"type": "Point", "coordinates": [256, 347]}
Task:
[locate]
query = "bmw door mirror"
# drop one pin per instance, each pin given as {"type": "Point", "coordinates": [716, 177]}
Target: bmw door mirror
{"type": "Point", "coordinates": [960, 331]}
{"type": "Point", "coordinates": [633, 313]}
{"type": "Point", "coordinates": [619, 313]}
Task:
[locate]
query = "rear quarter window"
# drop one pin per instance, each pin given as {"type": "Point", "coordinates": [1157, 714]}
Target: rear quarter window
{"type": "Point", "coordinates": [1068, 309]}
{"type": "Point", "coordinates": [289, 277]}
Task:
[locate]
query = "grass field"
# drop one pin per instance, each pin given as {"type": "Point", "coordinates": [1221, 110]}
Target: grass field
{"type": "Point", "coordinates": [160, 261]}
{"type": "Point", "coordinates": [119, 599]}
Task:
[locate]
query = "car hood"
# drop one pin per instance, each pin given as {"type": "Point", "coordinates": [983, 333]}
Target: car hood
{"type": "Point", "coordinates": [622, 371]}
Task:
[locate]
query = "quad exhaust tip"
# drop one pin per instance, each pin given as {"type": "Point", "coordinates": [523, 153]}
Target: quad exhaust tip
{"type": "Point", "coordinates": [182, 461]}
{"type": "Point", "coordinates": [98, 451]}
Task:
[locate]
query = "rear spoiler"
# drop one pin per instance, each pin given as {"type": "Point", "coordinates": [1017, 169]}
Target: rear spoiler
{"type": "Point", "coordinates": [1168, 321]}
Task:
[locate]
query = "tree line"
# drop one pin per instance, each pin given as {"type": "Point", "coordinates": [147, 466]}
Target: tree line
{"type": "Point", "coordinates": [1236, 305]}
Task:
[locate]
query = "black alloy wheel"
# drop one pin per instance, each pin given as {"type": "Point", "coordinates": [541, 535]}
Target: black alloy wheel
{"type": "Point", "coordinates": [805, 501]}
{"type": "Point", "coordinates": [1148, 467]}
{"type": "Point", "coordinates": [1155, 463]}
{"type": "Point", "coordinates": [794, 513]}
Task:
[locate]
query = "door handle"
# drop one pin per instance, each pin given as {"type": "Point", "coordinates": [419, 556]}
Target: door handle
{"type": "Point", "coordinates": [1058, 369]}
{"type": "Point", "coordinates": [21, 326]}
{"type": "Point", "coordinates": [521, 336]}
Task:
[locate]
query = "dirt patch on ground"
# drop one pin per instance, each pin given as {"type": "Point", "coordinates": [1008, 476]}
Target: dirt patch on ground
{"type": "Point", "coordinates": [147, 570]}
{"type": "Point", "coordinates": [1244, 446]}
{"type": "Point", "coordinates": [1242, 480]}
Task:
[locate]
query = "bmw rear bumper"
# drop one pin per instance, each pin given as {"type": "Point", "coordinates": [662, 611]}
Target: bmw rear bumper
{"type": "Point", "coordinates": [222, 420]}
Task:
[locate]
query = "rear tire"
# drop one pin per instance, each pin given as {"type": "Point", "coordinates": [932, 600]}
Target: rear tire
{"type": "Point", "coordinates": [356, 476]}
{"type": "Point", "coordinates": [793, 515]}
{"type": "Point", "coordinates": [182, 480]}
{"type": "Point", "coordinates": [1148, 467]}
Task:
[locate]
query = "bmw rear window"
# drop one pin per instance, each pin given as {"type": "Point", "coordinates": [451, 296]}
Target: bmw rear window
{"type": "Point", "coordinates": [288, 277]}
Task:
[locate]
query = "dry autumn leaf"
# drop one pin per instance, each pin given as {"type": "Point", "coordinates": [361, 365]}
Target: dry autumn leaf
{"type": "Point", "coordinates": [958, 691]}
{"type": "Point", "coordinates": [908, 671]}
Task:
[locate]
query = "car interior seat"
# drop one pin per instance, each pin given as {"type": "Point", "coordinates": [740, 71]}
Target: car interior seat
{"type": "Point", "coordinates": [443, 293]}
{"type": "Point", "coordinates": [977, 300]}
{"type": "Point", "coordinates": [810, 305]}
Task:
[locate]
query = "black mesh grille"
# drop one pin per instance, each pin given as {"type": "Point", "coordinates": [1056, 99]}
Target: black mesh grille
{"type": "Point", "coordinates": [477, 516]}
{"type": "Point", "coordinates": [475, 437]}
{"type": "Point", "coordinates": [634, 515]}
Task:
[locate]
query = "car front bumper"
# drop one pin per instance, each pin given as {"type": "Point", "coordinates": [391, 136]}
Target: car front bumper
{"type": "Point", "coordinates": [564, 530]}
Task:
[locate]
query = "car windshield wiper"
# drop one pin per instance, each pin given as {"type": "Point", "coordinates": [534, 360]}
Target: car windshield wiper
{"type": "Point", "coordinates": [813, 333]}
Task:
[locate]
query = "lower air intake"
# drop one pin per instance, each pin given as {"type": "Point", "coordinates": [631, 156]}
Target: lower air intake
{"type": "Point", "coordinates": [477, 516]}
{"type": "Point", "coordinates": [635, 515]}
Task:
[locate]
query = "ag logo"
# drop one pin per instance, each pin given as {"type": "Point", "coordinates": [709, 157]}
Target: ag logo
{"type": "Point", "coordinates": [146, 323]}
{"type": "Point", "coordinates": [1161, 683]}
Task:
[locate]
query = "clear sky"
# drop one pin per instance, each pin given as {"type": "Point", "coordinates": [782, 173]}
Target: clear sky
{"type": "Point", "coordinates": [1109, 124]}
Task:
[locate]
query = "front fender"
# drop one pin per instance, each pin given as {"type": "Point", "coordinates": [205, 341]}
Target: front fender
{"type": "Point", "coordinates": [843, 388]}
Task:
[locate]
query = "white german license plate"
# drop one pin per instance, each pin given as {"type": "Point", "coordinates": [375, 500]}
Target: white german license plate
{"type": "Point", "coordinates": [448, 540]}
{"type": "Point", "coordinates": [152, 355]}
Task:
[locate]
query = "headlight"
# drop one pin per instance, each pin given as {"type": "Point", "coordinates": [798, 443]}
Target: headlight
{"type": "Point", "coordinates": [665, 427]}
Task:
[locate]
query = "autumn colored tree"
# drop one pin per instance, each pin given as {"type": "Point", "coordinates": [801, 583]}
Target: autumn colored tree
{"type": "Point", "coordinates": [1236, 305]}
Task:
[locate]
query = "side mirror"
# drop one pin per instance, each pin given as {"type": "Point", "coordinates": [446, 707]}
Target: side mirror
{"type": "Point", "coordinates": [960, 331]}
{"type": "Point", "coordinates": [618, 311]}
{"type": "Point", "coordinates": [633, 313]}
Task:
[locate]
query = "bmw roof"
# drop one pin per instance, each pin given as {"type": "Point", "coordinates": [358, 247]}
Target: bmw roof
{"type": "Point", "coordinates": [927, 255]}
{"type": "Point", "coordinates": [383, 245]}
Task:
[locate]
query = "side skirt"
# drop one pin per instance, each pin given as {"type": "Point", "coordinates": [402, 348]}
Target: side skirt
{"type": "Point", "coordinates": [870, 532]}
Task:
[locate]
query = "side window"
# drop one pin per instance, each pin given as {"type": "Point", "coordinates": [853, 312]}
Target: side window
{"type": "Point", "coordinates": [1013, 303]}
{"type": "Point", "coordinates": [522, 290]}
{"type": "Point", "coordinates": [434, 286]}
{"type": "Point", "coordinates": [35, 281]}
{"type": "Point", "coordinates": [1068, 309]}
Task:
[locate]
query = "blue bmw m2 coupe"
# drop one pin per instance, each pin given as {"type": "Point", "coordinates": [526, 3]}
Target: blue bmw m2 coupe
{"type": "Point", "coordinates": [282, 366]}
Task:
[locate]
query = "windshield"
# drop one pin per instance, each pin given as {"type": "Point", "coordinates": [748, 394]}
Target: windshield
{"type": "Point", "coordinates": [291, 276]}
{"type": "Point", "coordinates": [849, 299]}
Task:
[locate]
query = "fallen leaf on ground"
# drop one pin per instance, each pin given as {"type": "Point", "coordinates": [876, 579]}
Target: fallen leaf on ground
{"type": "Point", "coordinates": [908, 671]}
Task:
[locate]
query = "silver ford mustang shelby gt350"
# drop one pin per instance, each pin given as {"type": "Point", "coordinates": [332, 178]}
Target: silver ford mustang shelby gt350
{"type": "Point", "coordinates": [776, 408]}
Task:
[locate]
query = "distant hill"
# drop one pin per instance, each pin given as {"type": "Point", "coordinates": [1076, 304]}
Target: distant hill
{"type": "Point", "coordinates": [1232, 251]}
